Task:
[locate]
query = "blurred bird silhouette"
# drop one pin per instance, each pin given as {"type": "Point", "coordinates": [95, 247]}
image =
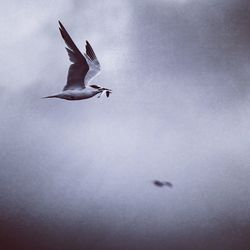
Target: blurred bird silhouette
{"type": "Point", "coordinates": [162, 183]}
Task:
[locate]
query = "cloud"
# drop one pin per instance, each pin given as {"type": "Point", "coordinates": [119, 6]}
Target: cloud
{"type": "Point", "coordinates": [178, 112]}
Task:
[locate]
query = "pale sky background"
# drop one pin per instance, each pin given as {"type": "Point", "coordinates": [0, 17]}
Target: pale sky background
{"type": "Point", "coordinates": [77, 175]}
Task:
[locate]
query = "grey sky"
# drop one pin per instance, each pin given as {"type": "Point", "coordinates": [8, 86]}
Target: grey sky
{"type": "Point", "coordinates": [78, 174]}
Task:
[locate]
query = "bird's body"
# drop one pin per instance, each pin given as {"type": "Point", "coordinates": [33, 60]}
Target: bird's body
{"type": "Point", "coordinates": [76, 94]}
{"type": "Point", "coordinates": [82, 70]}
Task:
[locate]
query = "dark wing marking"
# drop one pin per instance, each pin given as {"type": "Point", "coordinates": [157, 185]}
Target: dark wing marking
{"type": "Point", "coordinates": [90, 52]}
{"type": "Point", "coordinates": [78, 70]}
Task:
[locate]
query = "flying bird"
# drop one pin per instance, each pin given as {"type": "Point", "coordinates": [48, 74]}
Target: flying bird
{"type": "Point", "coordinates": [83, 69]}
{"type": "Point", "coordinates": [162, 183]}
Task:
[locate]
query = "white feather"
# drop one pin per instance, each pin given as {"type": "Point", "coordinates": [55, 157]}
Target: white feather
{"type": "Point", "coordinates": [94, 69]}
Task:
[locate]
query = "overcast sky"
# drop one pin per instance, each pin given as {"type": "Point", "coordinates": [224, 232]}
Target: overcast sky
{"type": "Point", "coordinates": [78, 175]}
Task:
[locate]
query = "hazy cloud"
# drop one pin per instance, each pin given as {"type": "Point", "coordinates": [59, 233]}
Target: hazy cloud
{"type": "Point", "coordinates": [79, 174]}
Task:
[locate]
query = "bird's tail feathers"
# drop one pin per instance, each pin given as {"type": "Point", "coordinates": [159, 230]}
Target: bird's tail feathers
{"type": "Point", "coordinates": [50, 96]}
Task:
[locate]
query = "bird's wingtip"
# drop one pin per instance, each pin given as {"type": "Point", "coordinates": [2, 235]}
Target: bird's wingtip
{"type": "Point", "coordinates": [60, 24]}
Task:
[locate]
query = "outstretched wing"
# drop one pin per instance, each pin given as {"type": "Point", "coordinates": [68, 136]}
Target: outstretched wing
{"type": "Point", "coordinates": [94, 65]}
{"type": "Point", "coordinates": [79, 67]}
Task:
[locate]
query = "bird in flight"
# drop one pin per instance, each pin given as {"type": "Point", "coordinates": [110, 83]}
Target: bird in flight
{"type": "Point", "coordinates": [83, 69]}
{"type": "Point", "coordinates": [162, 183]}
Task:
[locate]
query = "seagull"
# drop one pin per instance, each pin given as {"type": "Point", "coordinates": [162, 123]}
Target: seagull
{"type": "Point", "coordinates": [83, 69]}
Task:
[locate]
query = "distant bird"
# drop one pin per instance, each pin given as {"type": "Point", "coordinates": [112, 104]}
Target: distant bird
{"type": "Point", "coordinates": [168, 184]}
{"type": "Point", "coordinates": [162, 183]}
{"type": "Point", "coordinates": [83, 69]}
